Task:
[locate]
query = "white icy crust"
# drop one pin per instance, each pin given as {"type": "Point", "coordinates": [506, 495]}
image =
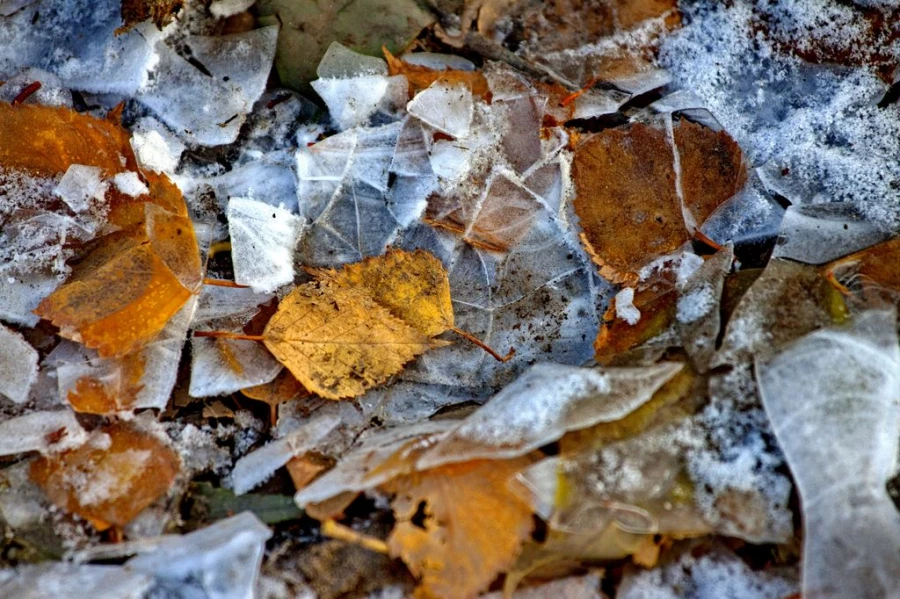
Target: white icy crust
{"type": "Point", "coordinates": [263, 241]}
{"type": "Point", "coordinates": [625, 308]}
{"type": "Point", "coordinates": [33, 432]}
{"type": "Point", "coordinates": [18, 365]}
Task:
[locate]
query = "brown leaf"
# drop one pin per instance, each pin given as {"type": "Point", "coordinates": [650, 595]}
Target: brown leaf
{"type": "Point", "coordinates": [628, 202]}
{"type": "Point", "coordinates": [473, 529]}
{"type": "Point", "coordinates": [108, 483]}
{"type": "Point", "coordinates": [137, 11]}
{"type": "Point", "coordinates": [656, 302]}
{"type": "Point", "coordinates": [876, 265]}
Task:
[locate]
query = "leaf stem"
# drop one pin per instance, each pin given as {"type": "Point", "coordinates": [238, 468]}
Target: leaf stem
{"type": "Point", "coordinates": [475, 340]}
{"type": "Point", "coordinates": [228, 335]}
{"type": "Point", "coordinates": [332, 529]}
{"type": "Point", "coordinates": [223, 283]}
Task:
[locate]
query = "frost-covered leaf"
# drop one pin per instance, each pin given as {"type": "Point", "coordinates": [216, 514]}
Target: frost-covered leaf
{"type": "Point", "coordinates": [543, 404]}
{"type": "Point", "coordinates": [58, 579]}
{"type": "Point", "coordinates": [697, 312]}
{"type": "Point", "coordinates": [832, 401]}
{"type": "Point", "coordinates": [263, 241]}
{"type": "Point", "coordinates": [45, 432]}
{"type": "Point", "coordinates": [823, 232]}
{"type": "Point", "coordinates": [108, 480]}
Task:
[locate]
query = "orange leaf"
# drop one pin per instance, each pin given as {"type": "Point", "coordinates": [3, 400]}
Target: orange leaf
{"type": "Point", "coordinates": [875, 265]}
{"type": "Point", "coordinates": [628, 203]}
{"type": "Point", "coordinates": [656, 302]}
{"type": "Point", "coordinates": [420, 77]}
{"type": "Point", "coordinates": [473, 528]}
{"type": "Point", "coordinates": [120, 306]}
{"type": "Point", "coordinates": [113, 392]}
{"type": "Point", "coordinates": [47, 140]}
{"type": "Point", "coordinates": [110, 482]}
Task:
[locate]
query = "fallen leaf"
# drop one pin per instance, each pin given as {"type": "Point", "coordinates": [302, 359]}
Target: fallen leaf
{"type": "Point", "coordinates": [473, 528]}
{"type": "Point", "coordinates": [421, 77]}
{"type": "Point", "coordinates": [115, 391]}
{"type": "Point", "coordinates": [628, 199]}
{"type": "Point", "coordinates": [657, 303]}
{"type": "Point", "coordinates": [284, 387]}
{"type": "Point", "coordinates": [110, 482]}
{"type": "Point", "coordinates": [305, 468]}
{"type": "Point", "coordinates": [340, 342]}
{"type": "Point", "coordinates": [47, 140]}
{"type": "Point", "coordinates": [413, 286]}
{"type": "Point", "coordinates": [137, 11]}
{"type": "Point", "coordinates": [876, 266]}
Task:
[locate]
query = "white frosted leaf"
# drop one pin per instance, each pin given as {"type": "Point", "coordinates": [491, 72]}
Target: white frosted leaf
{"type": "Point", "coordinates": [832, 398]}
{"type": "Point", "coordinates": [58, 579]}
{"type": "Point", "coordinates": [223, 366]}
{"type": "Point", "coordinates": [543, 404]}
{"type": "Point", "coordinates": [356, 471]}
{"type": "Point", "coordinates": [438, 62]}
{"type": "Point", "coordinates": [18, 365]}
{"type": "Point", "coordinates": [221, 561]}
{"type": "Point", "coordinates": [446, 107]}
{"type": "Point", "coordinates": [32, 431]}
{"type": "Point", "coordinates": [216, 302]}
{"type": "Point", "coordinates": [351, 102]}
{"type": "Point", "coordinates": [257, 466]}
{"type": "Point", "coordinates": [263, 239]}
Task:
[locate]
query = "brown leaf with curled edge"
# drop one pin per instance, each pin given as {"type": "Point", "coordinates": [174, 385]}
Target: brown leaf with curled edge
{"type": "Point", "coordinates": [108, 483]}
{"type": "Point", "coordinates": [47, 140]}
{"type": "Point", "coordinates": [874, 266]}
{"type": "Point", "coordinates": [413, 286]}
{"type": "Point", "coordinates": [111, 392]}
{"type": "Point", "coordinates": [474, 526]}
{"type": "Point", "coordinates": [420, 77]}
{"type": "Point", "coordinates": [628, 200]}
{"type": "Point", "coordinates": [340, 342]}
{"type": "Point", "coordinates": [137, 11]}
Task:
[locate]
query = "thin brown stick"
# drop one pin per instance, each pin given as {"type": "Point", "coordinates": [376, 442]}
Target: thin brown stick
{"type": "Point", "coordinates": [228, 335]}
{"type": "Point", "coordinates": [475, 340]}
{"type": "Point", "coordinates": [223, 283]}
{"type": "Point", "coordinates": [26, 93]}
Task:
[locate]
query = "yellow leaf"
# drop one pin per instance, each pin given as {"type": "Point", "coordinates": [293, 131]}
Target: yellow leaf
{"type": "Point", "coordinates": [340, 342]}
{"type": "Point", "coordinates": [112, 391]}
{"type": "Point", "coordinates": [109, 483]}
{"type": "Point", "coordinates": [413, 286]}
{"type": "Point", "coordinates": [473, 528]}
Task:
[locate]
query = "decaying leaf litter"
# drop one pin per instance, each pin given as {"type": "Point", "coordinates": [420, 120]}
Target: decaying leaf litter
{"type": "Point", "coordinates": [251, 280]}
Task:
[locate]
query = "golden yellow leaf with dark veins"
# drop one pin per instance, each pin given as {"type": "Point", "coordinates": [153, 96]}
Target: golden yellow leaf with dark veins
{"type": "Point", "coordinates": [109, 483]}
{"type": "Point", "coordinates": [339, 342]}
{"type": "Point", "coordinates": [474, 526]}
{"type": "Point", "coordinates": [413, 286]}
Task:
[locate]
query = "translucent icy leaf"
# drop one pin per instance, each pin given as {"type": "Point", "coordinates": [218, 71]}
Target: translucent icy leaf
{"type": "Point", "coordinates": [257, 466]}
{"type": "Point", "coordinates": [263, 240]}
{"type": "Point", "coordinates": [353, 102]}
{"type": "Point", "coordinates": [57, 579]}
{"type": "Point", "coordinates": [340, 62]}
{"type": "Point", "coordinates": [544, 403]}
{"type": "Point", "coordinates": [447, 108]}
{"type": "Point", "coordinates": [209, 110]}
{"type": "Point", "coordinates": [406, 403]}
{"type": "Point", "coordinates": [788, 300]}
{"type": "Point", "coordinates": [842, 385]}
{"type": "Point", "coordinates": [697, 311]}
{"type": "Point", "coordinates": [360, 469]}
{"type": "Point", "coordinates": [18, 365]}
{"type": "Point", "coordinates": [220, 561]}
{"type": "Point", "coordinates": [75, 40]}
{"type": "Point", "coordinates": [267, 179]}
{"type": "Point", "coordinates": [217, 302]}
{"type": "Point", "coordinates": [223, 366]}
{"type": "Point", "coordinates": [823, 232]}
{"type": "Point", "coordinates": [37, 431]}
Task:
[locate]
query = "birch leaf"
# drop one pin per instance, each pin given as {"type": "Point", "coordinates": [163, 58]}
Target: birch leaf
{"type": "Point", "coordinates": [474, 525]}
